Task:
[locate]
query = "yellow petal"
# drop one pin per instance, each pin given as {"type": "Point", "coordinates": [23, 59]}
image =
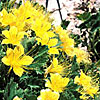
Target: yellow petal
{"type": "Point", "coordinates": [38, 40]}
{"type": "Point", "coordinates": [57, 82]}
{"type": "Point", "coordinates": [4, 12]}
{"type": "Point", "coordinates": [21, 35]}
{"type": "Point", "coordinates": [5, 60]}
{"type": "Point", "coordinates": [18, 70]}
{"type": "Point", "coordinates": [58, 69]}
{"type": "Point", "coordinates": [76, 80]}
{"type": "Point", "coordinates": [50, 34]}
{"type": "Point", "coordinates": [5, 41]}
{"type": "Point", "coordinates": [45, 39]}
{"type": "Point", "coordinates": [17, 98]}
{"type": "Point", "coordinates": [48, 94]}
{"type": "Point", "coordinates": [52, 42]}
{"type": "Point", "coordinates": [65, 81]}
{"type": "Point", "coordinates": [6, 33]}
{"type": "Point", "coordinates": [18, 51]}
{"type": "Point", "coordinates": [9, 51]}
{"type": "Point", "coordinates": [48, 84]}
{"type": "Point", "coordinates": [55, 62]}
{"type": "Point", "coordinates": [26, 60]}
{"type": "Point", "coordinates": [53, 51]}
{"type": "Point", "coordinates": [13, 32]}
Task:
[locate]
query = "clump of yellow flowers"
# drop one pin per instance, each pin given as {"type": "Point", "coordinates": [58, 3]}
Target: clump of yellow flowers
{"type": "Point", "coordinates": [28, 18]}
{"type": "Point", "coordinates": [57, 83]}
{"type": "Point", "coordinates": [25, 18]}
{"type": "Point", "coordinates": [20, 20]}
{"type": "Point", "coordinates": [87, 85]}
{"type": "Point", "coordinates": [68, 46]}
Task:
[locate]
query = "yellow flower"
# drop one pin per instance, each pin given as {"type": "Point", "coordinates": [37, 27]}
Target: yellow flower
{"type": "Point", "coordinates": [83, 80]}
{"type": "Point", "coordinates": [91, 90]}
{"type": "Point", "coordinates": [51, 34]}
{"type": "Point", "coordinates": [17, 17]}
{"type": "Point", "coordinates": [54, 67]}
{"type": "Point", "coordinates": [81, 55]}
{"type": "Point", "coordinates": [47, 94]}
{"type": "Point", "coordinates": [43, 40]}
{"type": "Point", "coordinates": [68, 46]}
{"type": "Point", "coordinates": [41, 26]}
{"type": "Point", "coordinates": [69, 51]}
{"type": "Point", "coordinates": [67, 42]}
{"type": "Point", "coordinates": [17, 98]}
{"type": "Point", "coordinates": [13, 36]}
{"type": "Point", "coordinates": [57, 82]}
{"type": "Point", "coordinates": [16, 60]}
{"type": "Point", "coordinates": [7, 18]}
{"type": "Point", "coordinates": [86, 82]}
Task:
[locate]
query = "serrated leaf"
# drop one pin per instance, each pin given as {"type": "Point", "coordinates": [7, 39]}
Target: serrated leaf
{"type": "Point", "coordinates": [12, 90]}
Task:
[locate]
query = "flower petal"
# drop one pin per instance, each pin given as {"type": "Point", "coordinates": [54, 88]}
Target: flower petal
{"type": "Point", "coordinates": [6, 33]}
{"type": "Point", "coordinates": [55, 62]}
{"type": "Point", "coordinates": [53, 51]}
{"type": "Point", "coordinates": [13, 31]}
{"type": "Point", "coordinates": [18, 70]}
{"type": "Point", "coordinates": [9, 51]}
{"type": "Point", "coordinates": [5, 60]}
{"type": "Point", "coordinates": [52, 42]}
{"type": "Point", "coordinates": [21, 35]}
{"type": "Point", "coordinates": [26, 60]}
{"type": "Point", "coordinates": [18, 51]}
{"type": "Point", "coordinates": [5, 41]}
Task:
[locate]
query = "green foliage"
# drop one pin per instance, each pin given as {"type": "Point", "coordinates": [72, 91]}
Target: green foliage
{"type": "Point", "coordinates": [85, 16]}
{"type": "Point", "coordinates": [91, 27]}
{"type": "Point", "coordinates": [74, 68]}
{"type": "Point", "coordinates": [67, 95]}
{"type": "Point", "coordinates": [97, 97]}
{"type": "Point", "coordinates": [29, 85]}
{"type": "Point", "coordinates": [12, 90]}
{"type": "Point", "coordinates": [2, 53]}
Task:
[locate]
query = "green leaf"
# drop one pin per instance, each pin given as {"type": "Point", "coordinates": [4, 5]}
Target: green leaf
{"type": "Point", "coordinates": [33, 86]}
{"type": "Point", "coordinates": [31, 97]}
{"type": "Point", "coordinates": [67, 95]}
{"type": "Point", "coordinates": [12, 90]}
{"type": "Point", "coordinates": [28, 43]}
{"type": "Point", "coordinates": [84, 16]}
{"type": "Point", "coordinates": [42, 51]}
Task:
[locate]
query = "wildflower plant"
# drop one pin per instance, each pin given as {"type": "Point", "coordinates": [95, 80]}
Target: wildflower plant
{"type": "Point", "coordinates": [38, 60]}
